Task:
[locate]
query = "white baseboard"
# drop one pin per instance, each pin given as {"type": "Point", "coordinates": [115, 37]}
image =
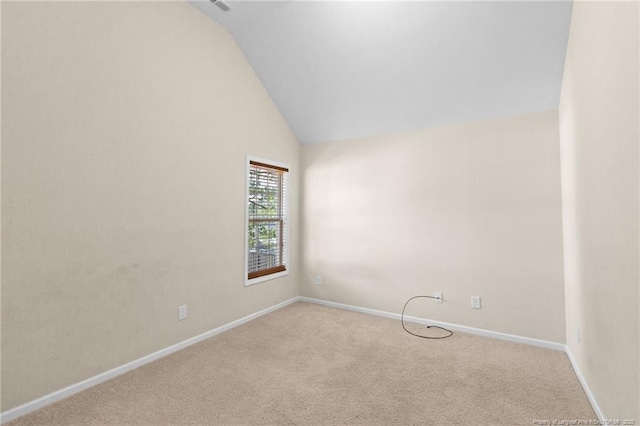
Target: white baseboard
{"type": "Point", "coordinates": [454, 327]}
{"type": "Point", "coordinates": [585, 386]}
{"type": "Point", "coordinates": [95, 380]}
{"type": "Point", "coordinates": [477, 331]}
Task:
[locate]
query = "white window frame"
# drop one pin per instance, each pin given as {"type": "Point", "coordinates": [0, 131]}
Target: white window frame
{"type": "Point", "coordinates": [252, 281]}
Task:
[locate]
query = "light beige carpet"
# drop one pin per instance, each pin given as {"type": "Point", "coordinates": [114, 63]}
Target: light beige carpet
{"type": "Point", "coordinates": [307, 364]}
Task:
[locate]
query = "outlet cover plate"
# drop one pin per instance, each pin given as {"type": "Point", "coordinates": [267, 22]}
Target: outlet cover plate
{"type": "Point", "coordinates": [476, 302]}
{"type": "Point", "coordinates": [182, 312]}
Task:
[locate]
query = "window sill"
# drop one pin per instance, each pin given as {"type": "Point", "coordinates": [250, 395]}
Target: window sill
{"type": "Point", "coordinates": [252, 281]}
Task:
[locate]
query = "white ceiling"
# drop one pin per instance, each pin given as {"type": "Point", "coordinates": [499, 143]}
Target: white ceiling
{"type": "Point", "coordinates": [345, 69]}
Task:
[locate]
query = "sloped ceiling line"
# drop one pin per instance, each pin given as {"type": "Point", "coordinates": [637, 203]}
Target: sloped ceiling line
{"type": "Point", "coordinates": [340, 70]}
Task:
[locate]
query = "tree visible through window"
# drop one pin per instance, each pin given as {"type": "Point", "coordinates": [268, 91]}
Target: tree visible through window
{"type": "Point", "coordinates": [266, 219]}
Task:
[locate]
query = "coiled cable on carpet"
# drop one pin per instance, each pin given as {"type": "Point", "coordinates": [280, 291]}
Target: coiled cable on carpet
{"type": "Point", "coordinates": [429, 326]}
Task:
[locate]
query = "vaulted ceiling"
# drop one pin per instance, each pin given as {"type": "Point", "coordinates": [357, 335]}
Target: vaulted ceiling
{"type": "Point", "coordinates": [345, 69]}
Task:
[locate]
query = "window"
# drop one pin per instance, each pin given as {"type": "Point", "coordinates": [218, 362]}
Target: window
{"type": "Point", "coordinates": [267, 241]}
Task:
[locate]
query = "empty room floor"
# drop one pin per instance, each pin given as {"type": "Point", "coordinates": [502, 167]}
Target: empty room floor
{"type": "Point", "coordinates": [309, 364]}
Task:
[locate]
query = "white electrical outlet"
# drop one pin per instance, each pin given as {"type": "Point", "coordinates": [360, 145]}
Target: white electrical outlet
{"type": "Point", "coordinates": [182, 312]}
{"type": "Point", "coordinates": [438, 296]}
{"type": "Point", "coordinates": [318, 279]}
{"type": "Point", "coordinates": [475, 302]}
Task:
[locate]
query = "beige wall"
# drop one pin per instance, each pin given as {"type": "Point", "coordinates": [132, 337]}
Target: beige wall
{"type": "Point", "coordinates": [125, 131]}
{"type": "Point", "coordinates": [599, 145]}
{"type": "Point", "coordinates": [472, 209]}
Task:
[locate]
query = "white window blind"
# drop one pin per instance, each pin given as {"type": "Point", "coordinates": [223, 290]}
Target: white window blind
{"type": "Point", "coordinates": [266, 219]}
